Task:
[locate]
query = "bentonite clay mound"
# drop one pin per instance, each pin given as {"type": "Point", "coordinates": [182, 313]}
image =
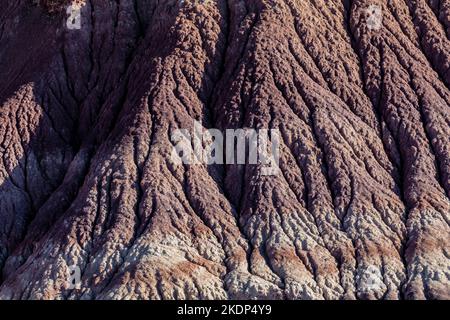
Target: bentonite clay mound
{"type": "Point", "coordinates": [359, 210]}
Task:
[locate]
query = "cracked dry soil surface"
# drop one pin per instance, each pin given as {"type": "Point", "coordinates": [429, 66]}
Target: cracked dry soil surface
{"type": "Point", "coordinates": [360, 209]}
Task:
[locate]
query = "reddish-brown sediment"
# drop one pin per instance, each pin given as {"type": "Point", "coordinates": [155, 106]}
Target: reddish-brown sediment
{"type": "Point", "coordinates": [360, 208]}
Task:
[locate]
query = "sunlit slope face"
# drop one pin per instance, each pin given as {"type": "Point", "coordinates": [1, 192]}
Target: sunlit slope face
{"type": "Point", "coordinates": [354, 93]}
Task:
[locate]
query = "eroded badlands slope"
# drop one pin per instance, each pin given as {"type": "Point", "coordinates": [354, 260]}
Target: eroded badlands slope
{"type": "Point", "coordinates": [360, 208]}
